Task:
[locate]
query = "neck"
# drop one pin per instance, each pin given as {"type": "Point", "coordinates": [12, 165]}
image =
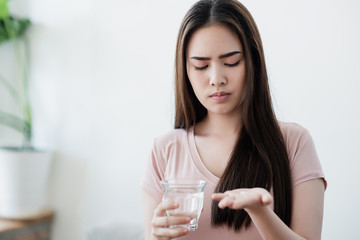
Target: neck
{"type": "Point", "coordinates": [219, 124]}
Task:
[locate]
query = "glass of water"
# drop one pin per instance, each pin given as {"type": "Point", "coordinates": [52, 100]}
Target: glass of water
{"type": "Point", "coordinates": [189, 194]}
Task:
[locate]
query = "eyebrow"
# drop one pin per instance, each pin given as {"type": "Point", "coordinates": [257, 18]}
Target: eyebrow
{"type": "Point", "coordinates": [221, 56]}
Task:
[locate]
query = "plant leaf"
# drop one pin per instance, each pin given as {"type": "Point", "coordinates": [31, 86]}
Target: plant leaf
{"type": "Point", "coordinates": [4, 9]}
{"type": "Point", "coordinates": [13, 27]}
{"type": "Point", "coordinates": [11, 89]}
{"type": "Point", "coordinates": [15, 122]}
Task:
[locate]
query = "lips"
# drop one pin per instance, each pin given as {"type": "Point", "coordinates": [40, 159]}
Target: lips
{"type": "Point", "coordinates": [220, 96]}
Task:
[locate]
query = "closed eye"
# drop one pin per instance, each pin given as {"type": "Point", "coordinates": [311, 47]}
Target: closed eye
{"type": "Point", "coordinates": [201, 68]}
{"type": "Point", "coordinates": [232, 65]}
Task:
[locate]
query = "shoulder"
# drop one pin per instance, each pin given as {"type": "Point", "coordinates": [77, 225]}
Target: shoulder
{"type": "Point", "coordinates": [171, 138]}
{"type": "Point", "coordinates": [291, 128]}
{"type": "Point", "coordinates": [297, 138]}
{"type": "Point", "coordinates": [293, 132]}
{"type": "Point", "coordinates": [299, 143]}
{"type": "Point", "coordinates": [169, 145]}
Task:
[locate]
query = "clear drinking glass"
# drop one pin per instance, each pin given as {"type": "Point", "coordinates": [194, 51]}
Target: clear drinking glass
{"type": "Point", "coordinates": [189, 194]}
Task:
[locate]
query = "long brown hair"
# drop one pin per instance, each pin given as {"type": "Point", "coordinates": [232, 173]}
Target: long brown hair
{"type": "Point", "coordinates": [259, 157]}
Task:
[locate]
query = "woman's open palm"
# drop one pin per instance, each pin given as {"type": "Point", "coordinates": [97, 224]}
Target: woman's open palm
{"type": "Point", "coordinates": [244, 198]}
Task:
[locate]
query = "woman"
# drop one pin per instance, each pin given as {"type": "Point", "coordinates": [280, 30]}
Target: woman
{"type": "Point", "coordinates": [264, 179]}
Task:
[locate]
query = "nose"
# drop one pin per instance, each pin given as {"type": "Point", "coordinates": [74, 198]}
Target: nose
{"type": "Point", "coordinates": [217, 76]}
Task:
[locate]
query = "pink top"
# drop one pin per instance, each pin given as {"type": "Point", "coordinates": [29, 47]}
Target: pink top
{"type": "Point", "coordinates": [174, 155]}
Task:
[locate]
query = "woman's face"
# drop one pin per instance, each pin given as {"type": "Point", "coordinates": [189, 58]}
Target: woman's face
{"type": "Point", "coordinates": [215, 65]}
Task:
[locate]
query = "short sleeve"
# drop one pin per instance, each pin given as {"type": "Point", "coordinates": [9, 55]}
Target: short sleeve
{"type": "Point", "coordinates": [154, 173]}
{"type": "Point", "coordinates": [304, 161]}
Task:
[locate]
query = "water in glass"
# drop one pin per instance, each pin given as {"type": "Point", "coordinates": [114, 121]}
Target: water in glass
{"type": "Point", "coordinates": [189, 194]}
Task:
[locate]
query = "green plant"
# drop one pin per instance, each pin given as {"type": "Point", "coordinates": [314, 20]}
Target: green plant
{"type": "Point", "coordinates": [13, 29]}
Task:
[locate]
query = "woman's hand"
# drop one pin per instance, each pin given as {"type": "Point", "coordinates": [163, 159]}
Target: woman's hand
{"type": "Point", "coordinates": [160, 222]}
{"type": "Point", "coordinates": [249, 199]}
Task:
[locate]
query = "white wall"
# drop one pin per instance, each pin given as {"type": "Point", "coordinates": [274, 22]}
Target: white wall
{"type": "Point", "coordinates": [101, 86]}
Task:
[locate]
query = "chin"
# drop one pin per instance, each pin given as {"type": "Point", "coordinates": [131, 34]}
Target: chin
{"type": "Point", "coordinates": [221, 111]}
{"type": "Point", "coordinates": [224, 110]}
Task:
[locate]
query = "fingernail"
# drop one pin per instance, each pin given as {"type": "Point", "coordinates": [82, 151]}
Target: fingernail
{"type": "Point", "coordinates": [188, 220]}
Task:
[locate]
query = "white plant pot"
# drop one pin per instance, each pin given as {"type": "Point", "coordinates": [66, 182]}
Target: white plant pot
{"type": "Point", "coordinates": [23, 182]}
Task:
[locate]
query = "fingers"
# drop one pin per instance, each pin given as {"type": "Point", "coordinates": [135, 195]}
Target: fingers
{"type": "Point", "coordinates": [225, 200]}
{"type": "Point", "coordinates": [163, 207]}
{"type": "Point", "coordinates": [266, 200]}
{"type": "Point", "coordinates": [170, 220]}
{"type": "Point", "coordinates": [218, 196]}
{"type": "Point", "coordinates": [160, 222]}
{"type": "Point", "coordinates": [231, 202]}
{"type": "Point", "coordinates": [169, 233]}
